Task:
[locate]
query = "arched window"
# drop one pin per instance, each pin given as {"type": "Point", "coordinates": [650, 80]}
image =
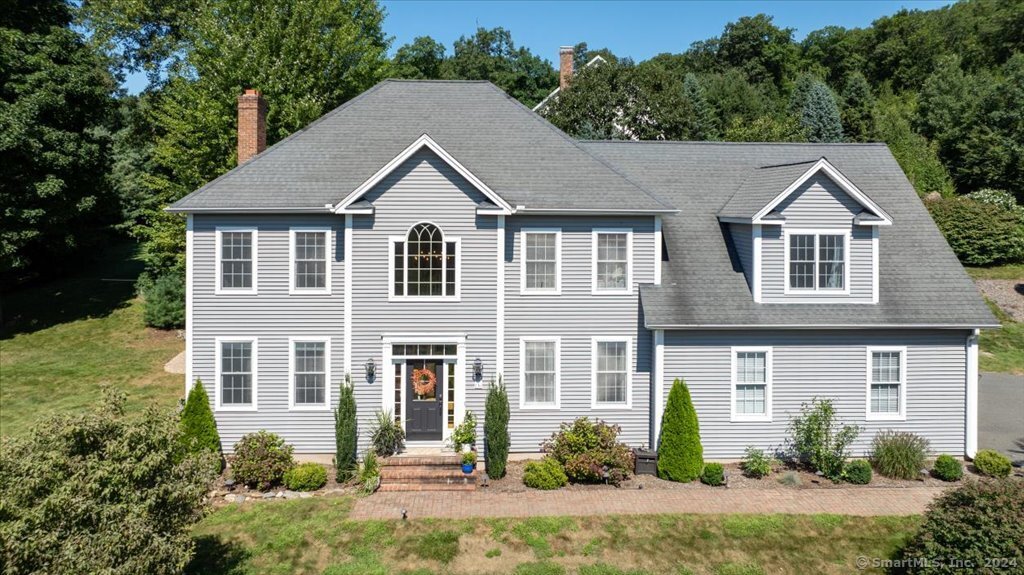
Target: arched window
{"type": "Point", "coordinates": [424, 264]}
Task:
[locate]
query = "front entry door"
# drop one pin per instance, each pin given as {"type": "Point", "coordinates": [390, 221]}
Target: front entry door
{"type": "Point", "coordinates": [424, 400]}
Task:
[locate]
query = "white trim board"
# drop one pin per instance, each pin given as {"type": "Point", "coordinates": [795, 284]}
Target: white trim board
{"type": "Point", "coordinates": [901, 415]}
{"type": "Point", "coordinates": [423, 141]}
{"type": "Point", "coordinates": [190, 278]}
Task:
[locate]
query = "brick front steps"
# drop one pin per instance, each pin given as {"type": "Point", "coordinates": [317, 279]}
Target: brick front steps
{"type": "Point", "coordinates": [425, 473]}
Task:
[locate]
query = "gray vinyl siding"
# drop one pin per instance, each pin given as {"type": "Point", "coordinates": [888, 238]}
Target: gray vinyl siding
{"type": "Point", "coordinates": [818, 204]}
{"type": "Point", "coordinates": [743, 242]}
{"type": "Point", "coordinates": [576, 316]}
{"type": "Point", "coordinates": [271, 316]}
{"type": "Point", "coordinates": [424, 188]}
{"type": "Point", "coordinates": [829, 364]}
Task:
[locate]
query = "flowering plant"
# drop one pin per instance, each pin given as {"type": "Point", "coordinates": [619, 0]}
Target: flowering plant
{"type": "Point", "coordinates": [423, 381]}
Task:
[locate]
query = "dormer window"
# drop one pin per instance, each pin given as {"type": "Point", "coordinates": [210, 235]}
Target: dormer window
{"type": "Point", "coordinates": [816, 261]}
{"type": "Point", "coordinates": [424, 264]}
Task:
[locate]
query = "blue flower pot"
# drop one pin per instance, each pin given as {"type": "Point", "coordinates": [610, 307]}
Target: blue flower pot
{"type": "Point", "coordinates": [467, 468]}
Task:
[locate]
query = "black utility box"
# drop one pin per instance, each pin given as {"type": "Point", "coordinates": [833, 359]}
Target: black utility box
{"type": "Point", "coordinates": [646, 462]}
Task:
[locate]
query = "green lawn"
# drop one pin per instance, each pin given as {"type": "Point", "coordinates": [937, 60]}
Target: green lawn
{"type": "Point", "coordinates": [314, 536]}
{"type": "Point", "coordinates": [62, 341]}
{"type": "Point", "coordinates": [1002, 350]}
{"type": "Point", "coordinates": [1003, 272]}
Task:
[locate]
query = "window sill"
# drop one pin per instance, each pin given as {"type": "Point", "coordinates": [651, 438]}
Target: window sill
{"type": "Point", "coordinates": [236, 408]}
{"type": "Point", "coordinates": [611, 406]}
{"type": "Point", "coordinates": [299, 291]}
{"type": "Point", "coordinates": [223, 291]}
{"type": "Point", "coordinates": [886, 417]}
{"type": "Point", "coordinates": [426, 298]}
{"type": "Point", "coordinates": [536, 407]}
{"type": "Point", "coordinates": [750, 419]}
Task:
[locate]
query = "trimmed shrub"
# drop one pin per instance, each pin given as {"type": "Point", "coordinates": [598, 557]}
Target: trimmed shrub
{"type": "Point", "coordinates": [993, 463]}
{"type": "Point", "coordinates": [164, 301]}
{"type": "Point", "coordinates": [346, 433]}
{"type": "Point", "coordinates": [947, 468]}
{"type": "Point", "coordinates": [585, 448]}
{"type": "Point", "coordinates": [305, 477]}
{"type": "Point", "coordinates": [999, 198]}
{"type": "Point", "coordinates": [680, 454]}
{"type": "Point", "coordinates": [386, 435]}
{"type": "Point", "coordinates": [756, 464]}
{"type": "Point", "coordinates": [545, 474]}
{"type": "Point", "coordinates": [899, 454]}
{"type": "Point", "coordinates": [857, 472]}
{"type": "Point", "coordinates": [817, 440]}
{"type": "Point", "coordinates": [198, 428]}
{"type": "Point", "coordinates": [496, 437]}
{"type": "Point", "coordinates": [713, 475]}
{"type": "Point", "coordinates": [977, 523]}
{"type": "Point", "coordinates": [101, 492]}
{"type": "Point", "coordinates": [981, 234]}
{"type": "Point", "coordinates": [261, 460]}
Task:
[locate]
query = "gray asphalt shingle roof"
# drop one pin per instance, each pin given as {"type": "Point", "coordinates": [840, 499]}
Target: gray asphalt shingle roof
{"type": "Point", "coordinates": [761, 186]}
{"type": "Point", "coordinates": [921, 281]}
{"type": "Point", "coordinates": [515, 152]}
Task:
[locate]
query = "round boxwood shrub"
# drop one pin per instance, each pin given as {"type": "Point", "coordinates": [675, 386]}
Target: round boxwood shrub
{"type": "Point", "coordinates": [992, 463]}
{"type": "Point", "coordinates": [305, 477]}
{"type": "Point", "coordinates": [713, 475]}
{"type": "Point", "coordinates": [680, 454]}
{"type": "Point", "coordinates": [981, 234]}
{"type": "Point", "coordinates": [899, 454]}
{"type": "Point", "coordinates": [261, 460]}
{"type": "Point", "coordinates": [164, 301]}
{"type": "Point", "coordinates": [545, 474]}
{"type": "Point", "coordinates": [857, 472]}
{"type": "Point", "coordinates": [947, 468]}
{"type": "Point", "coordinates": [974, 523]}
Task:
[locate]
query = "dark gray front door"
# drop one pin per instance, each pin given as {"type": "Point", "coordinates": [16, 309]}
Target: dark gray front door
{"type": "Point", "coordinates": [423, 402]}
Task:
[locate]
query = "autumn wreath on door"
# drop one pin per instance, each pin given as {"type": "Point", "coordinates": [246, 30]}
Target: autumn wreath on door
{"type": "Point", "coordinates": [423, 382]}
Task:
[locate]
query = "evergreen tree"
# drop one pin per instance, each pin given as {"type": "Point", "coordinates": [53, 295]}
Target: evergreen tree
{"type": "Point", "coordinates": [680, 454]}
{"type": "Point", "coordinates": [858, 102]}
{"type": "Point", "coordinates": [819, 116]}
{"type": "Point", "coordinates": [700, 125]}
{"type": "Point", "coordinates": [496, 437]}
{"type": "Point", "coordinates": [198, 428]}
{"type": "Point", "coordinates": [346, 434]}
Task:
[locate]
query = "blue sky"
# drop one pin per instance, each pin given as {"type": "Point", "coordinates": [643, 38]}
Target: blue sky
{"type": "Point", "coordinates": [635, 29]}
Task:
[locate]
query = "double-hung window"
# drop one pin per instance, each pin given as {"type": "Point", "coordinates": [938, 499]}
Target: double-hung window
{"type": "Point", "coordinates": [542, 254]}
{"type": "Point", "coordinates": [751, 384]}
{"type": "Point", "coordinates": [310, 268]}
{"type": "Point", "coordinates": [817, 262]}
{"type": "Point", "coordinates": [236, 374]}
{"type": "Point", "coordinates": [612, 261]}
{"type": "Point", "coordinates": [236, 261]}
{"type": "Point", "coordinates": [887, 391]}
{"type": "Point", "coordinates": [310, 373]}
{"type": "Point", "coordinates": [424, 264]}
{"type": "Point", "coordinates": [611, 359]}
{"type": "Point", "coordinates": [539, 377]}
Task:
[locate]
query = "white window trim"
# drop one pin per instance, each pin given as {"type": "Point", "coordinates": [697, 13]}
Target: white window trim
{"type": "Point", "coordinates": [594, 403]}
{"type": "Point", "coordinates": [328, 248]}
{"type": "Point", "coordinates": [522, 374]}
{"type": "Point", "coordinates": [735, 417]}
{"type": "Point", "coordinates": [218, 342]}
{"type": "Point", "coordinates": [902, 414]}
{"type": "Point", "coordinates": [847, 235]}
{"type": "Point", "coordinates": [217, 286]}
{"type": "Point", "coordinates": [326, 406]}
{"type": "Point", "coordinates": [629, 261]}
{"type": "Point", "coordinates": [523, 290]}
{"type": "Point", "coordinates": [445, 238]}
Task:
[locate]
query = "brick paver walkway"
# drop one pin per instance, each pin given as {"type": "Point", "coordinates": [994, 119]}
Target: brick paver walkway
{"type": "Point", "coordinates": [455, 505]}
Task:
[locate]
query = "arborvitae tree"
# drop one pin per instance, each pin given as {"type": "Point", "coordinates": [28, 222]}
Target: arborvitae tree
{"type": "Point", "coordinates": [346, 435]}
{"type": "Point", "coordinates": [680, 454]}
{"type": "Point", "coordinates": [820, 116]}
{"type": "Point", "coordinates": [496, 437]}
{"type": "Point", "coordinates": [198, 428]}
{"type": "Point", "coordinates": [701, 123]}
{"type": "Point", "coordinates": [858, 103]}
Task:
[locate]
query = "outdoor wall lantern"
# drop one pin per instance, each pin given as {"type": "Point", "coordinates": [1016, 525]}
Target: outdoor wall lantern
{"type": "Point", "coordinates": [371, 369]}
{"type": "Point", "coordinates": [478, 369]}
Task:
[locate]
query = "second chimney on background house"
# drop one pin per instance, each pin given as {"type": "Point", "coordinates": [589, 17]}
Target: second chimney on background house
{"type": "Point", "coordinates": [252, 125]}
{"type": "Point", "coordinates": [565, 62]}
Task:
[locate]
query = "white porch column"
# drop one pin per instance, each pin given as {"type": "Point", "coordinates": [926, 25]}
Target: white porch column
{"type": "Point", "coordinates": [971, 419]}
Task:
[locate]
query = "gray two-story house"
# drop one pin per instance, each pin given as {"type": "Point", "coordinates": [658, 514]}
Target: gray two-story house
{"type": "Point", "coordinates": [429, 238]}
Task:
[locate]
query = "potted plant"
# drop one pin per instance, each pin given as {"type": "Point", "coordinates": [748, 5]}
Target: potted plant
{"type": "Point", "coordinates": [465, 432]}
{"type": "Point", "coordinates": [468, 462]}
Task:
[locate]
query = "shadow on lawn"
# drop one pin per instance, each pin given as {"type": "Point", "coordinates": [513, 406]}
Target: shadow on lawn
{"type": "Point", "coordinates": [96, 290]}
{"type": "Point", "coordinates": [216, 557]}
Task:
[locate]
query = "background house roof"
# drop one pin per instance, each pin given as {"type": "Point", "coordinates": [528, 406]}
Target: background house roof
{"type": "Point", "coordinates": [516, 153]}
{"type": "Point", "coordinates": [921, 281]}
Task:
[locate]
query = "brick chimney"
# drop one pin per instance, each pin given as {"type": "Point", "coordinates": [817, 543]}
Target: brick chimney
{"type": "Point", "coordinates": [252, 125]}
{"type": "Point", "coordinates": [566, 55]}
